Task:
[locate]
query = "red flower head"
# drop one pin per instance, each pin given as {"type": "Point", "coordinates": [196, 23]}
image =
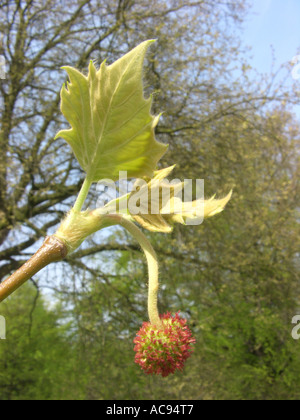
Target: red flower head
{"type": "Point", "coordinates": [165, 349]}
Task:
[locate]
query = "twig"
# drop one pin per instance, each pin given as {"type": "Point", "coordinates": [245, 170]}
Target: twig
{"type": "Point", "coordinates": [52, 250]}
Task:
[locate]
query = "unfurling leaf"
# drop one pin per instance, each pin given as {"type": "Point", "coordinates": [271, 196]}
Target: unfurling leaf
{"type": "Point", "coordinates": [112, 126]}
{"type": "Point", "coordinates": [163, 196]}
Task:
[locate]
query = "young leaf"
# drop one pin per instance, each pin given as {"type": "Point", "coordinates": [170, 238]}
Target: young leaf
{"type": "Point", "coordinates": [170, 208]}
{"type": "Point", "coordinates": [112, 126]}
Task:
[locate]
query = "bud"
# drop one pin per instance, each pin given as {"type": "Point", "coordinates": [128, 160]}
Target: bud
{"type": "Point", "coordinates": [161, 351]}
{"type": "Point", "coordinates": [77, 226]}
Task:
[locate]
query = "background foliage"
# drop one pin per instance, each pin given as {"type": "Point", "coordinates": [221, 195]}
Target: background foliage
{"type": "Point", "coordinates": [236, 277]}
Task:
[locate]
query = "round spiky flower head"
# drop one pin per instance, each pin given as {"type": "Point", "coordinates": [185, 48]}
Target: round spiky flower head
{"type": "Point", "coordinates": [160, 351]}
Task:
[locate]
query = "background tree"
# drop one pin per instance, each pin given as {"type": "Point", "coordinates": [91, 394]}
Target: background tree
{"type": "Point", "coordinates": [37, 355]}
{"type": "Point", "coordinates": [39, 176]}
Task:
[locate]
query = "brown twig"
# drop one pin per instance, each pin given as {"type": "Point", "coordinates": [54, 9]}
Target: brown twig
{"type": "Point", "coordinates": [52, 250]}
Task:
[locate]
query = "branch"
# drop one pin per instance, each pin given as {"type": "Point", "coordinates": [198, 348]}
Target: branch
{"type": "Point", "coordinates": [52, 250]}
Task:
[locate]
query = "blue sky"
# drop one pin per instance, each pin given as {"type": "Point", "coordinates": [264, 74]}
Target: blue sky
{"type": "Point", "coordinates": [276, 23]}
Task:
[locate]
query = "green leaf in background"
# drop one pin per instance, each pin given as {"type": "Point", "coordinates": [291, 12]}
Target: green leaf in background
{"type": "Point", "coordinates": [112, 126]}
